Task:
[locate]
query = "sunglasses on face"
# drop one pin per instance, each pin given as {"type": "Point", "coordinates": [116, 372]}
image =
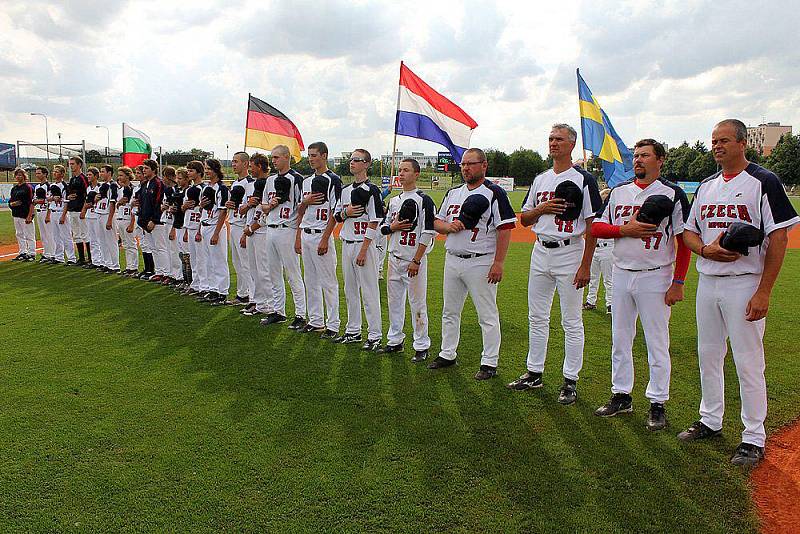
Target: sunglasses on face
{"type": "Point", "coordinates": [357, 160]}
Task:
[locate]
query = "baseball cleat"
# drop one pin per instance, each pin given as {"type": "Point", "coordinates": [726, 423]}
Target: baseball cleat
{"type": "Point", "coordinates": [348, 338]}
{"type": "Point", "coordinates": [372, 346]}
{"type": "Point", "coordinates": [273, 318]}
{"type": "Point", "coordinates": [608, 310]}
{"type": "Point", "coordinates": [747, 454]}
{"type": "Point", "coordinates": [298, 323]}
{"type": "Point", "coordinates": [619, 403]}
{"type": "Point", "coordinates": [698, 430]}
{"type": "Point", "coordinates": [392, 348]}
{"type": "Point", "coordinates": [419, 356]}
{"type": "Point", "coordinates": [485, 372]}
{"type": "Point", "coordinates": [238, 301]}
{"type": "Point", "coordinates": [307, 329]}
{"type": "Point", "coordinates": [330, 334]}
{"type": "Point", "coordinates": [568, 393]}
{"type": "Point", "coordinates": [441, 363]}
{"type": "Point", "coordinates": [587, 306]}
{"type": "Point", "coordinates": [656, 417]}
{"type": "Point", "coordinates": [529, 380]}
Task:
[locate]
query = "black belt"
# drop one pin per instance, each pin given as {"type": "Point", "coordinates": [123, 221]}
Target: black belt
{"type": "Point", "coordinates": [468, 256]}
{"type": "Point", "coordinates": [350, 242]}
{"type": "Point", "coordinates": [207, 224]}
{"type": "Point", "coordinates": [312, 231]}
{"type": "Point", "coordinates": [729, 275]}
{"type": "Point", "coordinates": [602, 245]}
{"type": "Point", "coordinates": [554, 244]}
{"type": "Point", "coordinates": [282, 225]}
{"type": "Point", "coordinates": [640, 270]}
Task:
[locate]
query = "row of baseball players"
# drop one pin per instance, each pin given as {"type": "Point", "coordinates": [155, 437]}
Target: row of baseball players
{"type": "Point", "coordinates": [276, 219]}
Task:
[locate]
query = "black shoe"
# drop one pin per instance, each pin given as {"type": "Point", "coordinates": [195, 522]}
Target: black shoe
{"type": "Point", "coordinates": [238, 301]}
{"type": "Point", "coordinates": [485, 372]}
{"type": "Point", "coordinates": [529, 380]}
{"type": "Point", "coordinates": [656, 417]}
{"type": "Point", "coordinates": [329, 334]}
{"type": "Point", "coordinates": [250, 312]}
{"type": "Point", "coordinates": [420, 356]}
{"type": "Point", "coordinates": [372, 346]}
{"type": "Point", "coordinates": [297, 324]}
{"type": "Point", "coordinates": [747, 454]}
{"type": "Point", "coordinates": [44, 260]}
{"type": "Point", "coordinates": [273, 318]}
{"type": "Point", "coordinates": [219, 300]}
{"type": "Point", "coordinates": [619, 403]}
{"type": "Point", "coordinates": [307, 329]}
{"type": "Point", "coordinates": [20, 257]}
{"type": "Point", "coordinates": [608, 310]}
{"type": "Point", "coordinates": [348, 338]}
{"type": "Point", "coordinates": [587, 306]}
{"type": "Point", "coordinates": [202, 296]}
{"type": "Point", "coordinates": [441, 363]}
{"type": "Point", "coordinates": [392, 348]}
{"type": "Point", "coordinates": [568, 393]}
{"type": "Point", "coordinates": [698, 431]}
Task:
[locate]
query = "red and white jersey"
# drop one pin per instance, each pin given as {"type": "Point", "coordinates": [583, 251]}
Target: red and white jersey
{"type": "Point", "coordinates": [483, 238]}
{"type": "Point", "coordinates": [44, 186]}
{"type": "Point", "coordinates": [354, 228]}
{"type": "Point", "coordinates": [551, 228]}
{"type": "Point", "coordinates": [233, 214]}
{"type": "Point", "coordinates": [91, 213]}
{"type": "Point", "coordinates": [255, 214]}
{"type": "Point", "coordinates": [286, 213]}
{"type": "Point", "coordinates": [57, 206]}
{"type": "Point", "coordinates": [404, 244]}
{"type": "Point", "coordinates": [634, 253]}
{"type": "Point", "coordinates": [192, 217]}
{"type": "Point", "coordinates": [754, 196]}
{"type": "Point", "coordinates": [317, 216]}
{"type": "Point", "coordinates": [210, 215]}
{"type": "Point", "coordinates": [123, 211]}
{"type": "Point", "coordinates": [103, 204]}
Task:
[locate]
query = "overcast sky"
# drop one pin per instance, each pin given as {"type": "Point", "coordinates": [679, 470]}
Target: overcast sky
{"type": "Point", "coordinates": [663, 69]}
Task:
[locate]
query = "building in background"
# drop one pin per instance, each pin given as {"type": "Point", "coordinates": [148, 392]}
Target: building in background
{"type": "Point", "coordinates": [423, 160]}
{"type": "Point", "coordinates": [765, 136]}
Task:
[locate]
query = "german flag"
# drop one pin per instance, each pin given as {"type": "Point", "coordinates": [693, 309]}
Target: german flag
{"type": "Point", "coordinates": [267, 127]}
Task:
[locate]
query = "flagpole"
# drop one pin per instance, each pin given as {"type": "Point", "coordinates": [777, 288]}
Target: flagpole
{"type": "Point", "coordinates": [397, 108]}
{"type": "Point", "coordinates": [244, 148]}
{"type": "Point", "coordinates": [585, 161]}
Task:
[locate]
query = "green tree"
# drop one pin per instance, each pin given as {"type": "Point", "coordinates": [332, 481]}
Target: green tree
{"type": "Point", "coordinates": [524, 164]}
{"type": "Point", "coordinates": [303, 167]}
{"type": "Point", "coordinates": [498, 162]}
{"type": "Point", "coordinates": [343, 168]}
{"type": "Point", "coordinates": [785, 159]}
{"type": "Point", "coordinates": [753, 156]}
{"type": "Point", "coordinates": [700, 147]}
{"type": "Point", "coordinates": [94, 156]}
{"type": "Point", "coordinates": [676, 166]}
{"type": "Point", "coordinates": [702, 167]}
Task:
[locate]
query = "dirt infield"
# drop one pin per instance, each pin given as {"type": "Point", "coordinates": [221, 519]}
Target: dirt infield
{"type": "Point", "coordinates": [776, 482]}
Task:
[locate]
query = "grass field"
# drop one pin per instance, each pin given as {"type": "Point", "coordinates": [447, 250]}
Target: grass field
{"type": "Point", "coordinates": [128, 407]}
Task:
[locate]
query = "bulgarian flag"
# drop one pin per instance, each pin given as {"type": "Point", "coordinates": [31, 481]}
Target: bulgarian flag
{"type": "Point", "coordinates": [135, 146]}
{"type": "Point", "coordinates": [267, 127]}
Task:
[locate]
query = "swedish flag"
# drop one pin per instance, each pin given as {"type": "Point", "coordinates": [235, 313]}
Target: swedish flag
{"type": "Point", "coordinates": [600, 138]}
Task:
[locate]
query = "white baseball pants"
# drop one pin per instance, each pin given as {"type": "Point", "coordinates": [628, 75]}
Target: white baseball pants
{"type": "Point", "coordinates": [551, 269]}
{"type": "Point", "coordinates": [721, 307]}
{"type": "Point", "coordinates": [464, 276]}
{"type": "Point", "coordinates": [62, 237]}
{"type": "Point", "coordinates": [398, 285]}
{"type": "Point", "coordinates": [361, 284]}
{"type": "Point", "coordinates": [160, 249]}
{"type": "Point", "coordinates": [322, 285]}
{"type": "Point", "coordinates": [241, 263]}
{"type": "Point", "coordinates": [108, 243]}
{"type": "Point", "coordinates": [128, 244]}
{"type": "Point", "coordinates": [26, 236]}
{"type": "Point", "coordinates": [93, 238]}
{"type": "Point", "coordinates": [174, 265]}
{"type": "Point", "coordinates": [641, 294]}
{"type": "Point", "coordinates": [46, 233]}
{"type": "Point", "coordinates": [216, 256]}
{"type": "Point", "coordinates": [199, 260]}
{"type": "Point", "coordinates": [602, 264]}
{"type": "Point", "coordinates": [262, 283]}
{"type": "Point", "coordinates": [282, 257]}
{"type": "Point", "coordinates": [78, 227]}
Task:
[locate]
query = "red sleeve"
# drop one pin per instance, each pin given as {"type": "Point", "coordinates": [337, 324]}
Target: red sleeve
{"type": "Point", "coordinates": [506, 226]}
{"type": "Point", "coordinates": [683, 256]}
{"type": "Point", "coordinates": [604, 230]}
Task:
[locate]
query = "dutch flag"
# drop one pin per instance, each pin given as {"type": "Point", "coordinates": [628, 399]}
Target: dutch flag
{"type": "Point", "coordinates": [425, 114]}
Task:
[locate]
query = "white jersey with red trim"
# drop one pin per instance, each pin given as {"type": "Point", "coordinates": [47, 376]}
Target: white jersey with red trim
{"type": "Point", "coordinates": [103, 204]}
{"type": "Point", "coordinates": [123, 211]}
{"type": "Point", "coordinates": [57, 206]}
{"type": "Point", "coordinates": [285, 213]}
{"type": "Point", "coordinates": [549, 227]}
{"type": "Point", "coordinates": [483, 238]}
{"type": "Point", "coordinates": [210, 215]}
{"type": "Point", "coordinates": [354, 228]}
{"type": "Point", "coordinates": [404, 243]}
{"type": "Point", "coordinates": [754, 196]}
{"type": "Point", "coordinates": [316, 216]}
{"type": "Point", "coordinates": [233, 213]}
{"type": "Point", "coordinates": [91, 213]}
{"type": "Point", "coordinates": [635, 253]}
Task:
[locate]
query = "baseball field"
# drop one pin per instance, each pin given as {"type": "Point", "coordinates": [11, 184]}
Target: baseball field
{"type": "Point", "coordinates": [128, 407]}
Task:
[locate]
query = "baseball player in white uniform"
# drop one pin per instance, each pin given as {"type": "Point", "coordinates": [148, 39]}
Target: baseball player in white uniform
{"type": "Point", "coordinates": [561, 259]}
{"type": "Point", "coordinates": [733, 290]}
{"type": "Point", "coordinates": [40, 194]}
{"type": "Point", "coordinates": [212, 235]}
{"type": "Point", "coordinates": [239, 258]}
{"type": "Point", "coordinates": [477, 243]}
{"type": "Point", "coordinates": [254, 239]}
{"type": "Point", "coordinates": [409, 240]}
{"type": "Point", "coordinates": [124, 220]}
{"type": "Point", "coordinates": [602, 265]}
{"type": "Point", "coordinates": [192, 214]}
{"type": "Point", "coordinates": [314, 241]}
{"type": "Point", "coordinates": [646, 286]}
{"type": "Point", "coordinates": [173, 267]}
{"type": "Point", "coordinates": [360, 211]}
{"type": "Point", "coordinates": [56, 218]}
{"type": "Point", "coordinates": [105, 207]}
{"type": "Point", "coordinates": [90, 217]}
{"type": "Point", "coordinates": [282, 193]}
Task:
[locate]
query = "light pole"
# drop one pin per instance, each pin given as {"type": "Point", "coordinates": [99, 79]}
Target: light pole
{"type": "Point", "coordinates": [59, 147]}
{"type": "Point", "coordinates": [46, 135]}
{"type": "Point", "coordinates": [226, 152]}
{"type": "Point", "coordinates": [108, 140]}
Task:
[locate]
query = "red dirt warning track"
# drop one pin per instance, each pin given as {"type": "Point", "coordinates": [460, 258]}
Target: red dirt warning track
{"type": "Point", "coordinates": [776, 482]}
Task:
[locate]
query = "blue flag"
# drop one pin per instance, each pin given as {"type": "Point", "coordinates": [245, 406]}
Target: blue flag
{"type": "Point", "coordinates": [600, 138]}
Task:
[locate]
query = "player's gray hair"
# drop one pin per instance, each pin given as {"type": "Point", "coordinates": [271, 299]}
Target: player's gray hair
{"type": "Point", "coordinates": [739, 126]}
{"type": "Point", "coordinates": [573, 135]}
